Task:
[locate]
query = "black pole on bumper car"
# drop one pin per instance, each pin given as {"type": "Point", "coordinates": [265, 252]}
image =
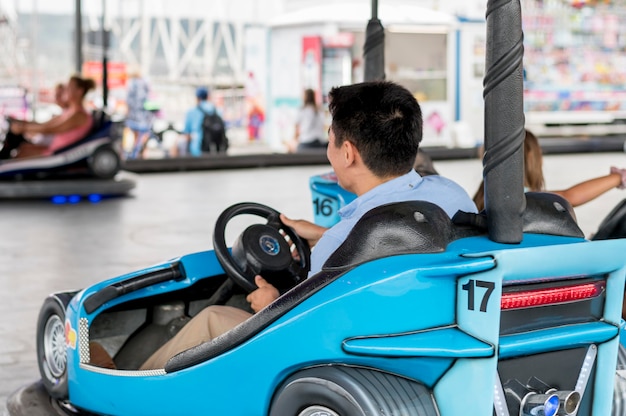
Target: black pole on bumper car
{"type": "Point", "coordinates": [374, 47]}
{"type": "Point", "coordinates": [105, 59]}
{"type": "Point", "coordinates": [503, 162]}
{"type": "Point", "coordinates": [78, 37]}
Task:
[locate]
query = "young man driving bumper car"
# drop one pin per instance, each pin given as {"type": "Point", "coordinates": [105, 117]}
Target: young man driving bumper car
{"type": "Point", "coordinates": [373, 141]}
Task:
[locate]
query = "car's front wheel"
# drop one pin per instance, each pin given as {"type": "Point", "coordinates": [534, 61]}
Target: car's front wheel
{"type": "Point", "coordinates": [104, 163]}
{"type": "Point", "coordinates": [350, 391]}
{"type": "Point", "coordinates": [51, 345]}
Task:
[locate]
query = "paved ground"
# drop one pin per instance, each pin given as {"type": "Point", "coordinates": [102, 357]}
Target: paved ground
{"type": "Point", "coordinates": [46, 248]}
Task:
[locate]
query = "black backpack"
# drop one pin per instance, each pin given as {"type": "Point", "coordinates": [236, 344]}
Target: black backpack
{"type": "Point", "coordinates": [213, 132]}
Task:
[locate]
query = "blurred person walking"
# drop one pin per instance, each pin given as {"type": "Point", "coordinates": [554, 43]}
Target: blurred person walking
{"type": "Point", "coordinates": [256, 117]}
{"type": "Point", "coordinates": [138, 118]}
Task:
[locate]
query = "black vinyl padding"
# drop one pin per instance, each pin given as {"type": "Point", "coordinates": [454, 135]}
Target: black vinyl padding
{"type": "Point", "coordinates": [396, 228]}
{"type": "Point", "coordinates": [614, 224]}
{"type": "Point", "coordinates": [423, 227]}
{"type": "Point", "coordinates": [548, 213]}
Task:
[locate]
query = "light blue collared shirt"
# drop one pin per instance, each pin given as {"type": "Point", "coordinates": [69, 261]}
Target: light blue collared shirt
{"type": "Point", "coordinates": [410, 187]}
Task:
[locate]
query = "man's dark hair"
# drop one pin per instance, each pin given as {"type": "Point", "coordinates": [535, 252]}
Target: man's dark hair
{"type": "Point", "coordinates": [382, 120]}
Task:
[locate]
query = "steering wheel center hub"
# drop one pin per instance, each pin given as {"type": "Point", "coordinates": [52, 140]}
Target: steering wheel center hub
{"type": "Point", "coordinates": [269, 245]}
{"type": "Point", "coordinates": [261, 249]}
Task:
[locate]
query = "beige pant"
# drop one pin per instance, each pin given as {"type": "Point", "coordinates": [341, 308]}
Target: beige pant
{"type": "Point", "coordinates": [211, 322]}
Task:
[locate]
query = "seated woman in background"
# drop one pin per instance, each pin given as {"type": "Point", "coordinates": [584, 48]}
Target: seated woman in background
{"type": "Point", "coordinates": [69, 127]}
{"type": "Point", "coordinates": [576, 195]}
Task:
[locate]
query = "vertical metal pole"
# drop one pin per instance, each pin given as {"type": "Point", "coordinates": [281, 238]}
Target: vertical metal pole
{"type": "Point", "coordinates": [503, 162]}
{"type": "Point", "coordinates": [145, 55]}
{"type": "Point", "coordinates": [35, 79]}
{"type": "Point", "coordinates": [374, 48]}
{"type": "Point", "coordinates": [78, 28]}
{"type": "Point", "coordinates": [105, 69]}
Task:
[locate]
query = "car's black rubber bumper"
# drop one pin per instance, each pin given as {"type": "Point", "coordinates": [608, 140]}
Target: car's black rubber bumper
{"type": "Point", "coordinates": [33, 400]}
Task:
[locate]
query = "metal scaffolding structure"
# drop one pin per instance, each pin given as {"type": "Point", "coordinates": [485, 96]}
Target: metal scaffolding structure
{"type": "Point", "coordinates": [182, 50]}
{"type": "Point", "coordinates": [176, 45]}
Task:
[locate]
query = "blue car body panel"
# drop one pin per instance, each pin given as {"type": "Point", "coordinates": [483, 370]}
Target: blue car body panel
{"type": "Point", "coordinates": [407, 315]}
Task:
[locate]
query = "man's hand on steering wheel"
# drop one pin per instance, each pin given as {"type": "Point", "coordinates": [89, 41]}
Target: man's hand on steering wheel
{"type": "Point", "coordinates": [305, 229]}
{"type": "Point", "coordinates": [262, 249]}
{"type": "Point", "coordinates": [263, 296]}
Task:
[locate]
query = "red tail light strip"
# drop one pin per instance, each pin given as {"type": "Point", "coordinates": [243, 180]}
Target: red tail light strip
{"type": "Point", "coordinates": [551, 296]}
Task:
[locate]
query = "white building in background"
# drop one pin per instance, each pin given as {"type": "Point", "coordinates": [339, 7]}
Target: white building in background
{"type": "Point", "coordinates": [322, 46]}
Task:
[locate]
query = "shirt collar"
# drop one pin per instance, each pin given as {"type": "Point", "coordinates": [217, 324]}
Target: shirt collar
{"type": "Point", "coordinates": [408, 180]}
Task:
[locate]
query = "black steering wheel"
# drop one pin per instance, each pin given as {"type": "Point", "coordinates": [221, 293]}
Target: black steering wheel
{"type": "Point", "coordinates": [261, 249]}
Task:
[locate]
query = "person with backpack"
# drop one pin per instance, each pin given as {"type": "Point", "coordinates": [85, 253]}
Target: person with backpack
{"type": "Point", "coordinates": [204, 128]}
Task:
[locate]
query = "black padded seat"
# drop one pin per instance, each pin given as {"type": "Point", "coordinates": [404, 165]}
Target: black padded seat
{"type": "Point", "coordinates": [548, 213]}
{"type": "Point", "coordinates": [100, 119]}
{"type": "Point", "coordinates": [391, 229]}
{"type": "Point", "coordinates": [423, 227]}
{"type": "Point", "coordinates": [614, 224]}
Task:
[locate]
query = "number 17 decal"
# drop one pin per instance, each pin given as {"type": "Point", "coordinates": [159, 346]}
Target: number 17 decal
{"type": "Point", "coordinates": [471, 286]}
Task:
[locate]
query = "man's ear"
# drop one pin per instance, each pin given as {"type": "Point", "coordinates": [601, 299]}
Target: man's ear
{"type": "Point", "coordinates": [349, 152]}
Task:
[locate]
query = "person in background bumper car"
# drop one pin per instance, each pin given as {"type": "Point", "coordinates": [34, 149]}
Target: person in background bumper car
{"type": "Point", "coordinates": [71, 126]}
{"type": "Point", "coordinates": [576, 195]}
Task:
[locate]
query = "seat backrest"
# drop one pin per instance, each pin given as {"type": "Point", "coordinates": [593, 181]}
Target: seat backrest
{"type": "Point", "coordinates": [423, 227]}
{"type": "Point", "coordinates": [100, 119]}
{"type": "Point", "coordinates": [396, 228]}
{"type": "Point", "coordinates": [614, 224]}
{"type": "Point", "coordinates": [548, 213]}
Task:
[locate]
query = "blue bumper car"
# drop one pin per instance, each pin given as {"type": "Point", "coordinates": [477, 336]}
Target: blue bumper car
{"type": "Point", "coordinates": [414, 314]}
